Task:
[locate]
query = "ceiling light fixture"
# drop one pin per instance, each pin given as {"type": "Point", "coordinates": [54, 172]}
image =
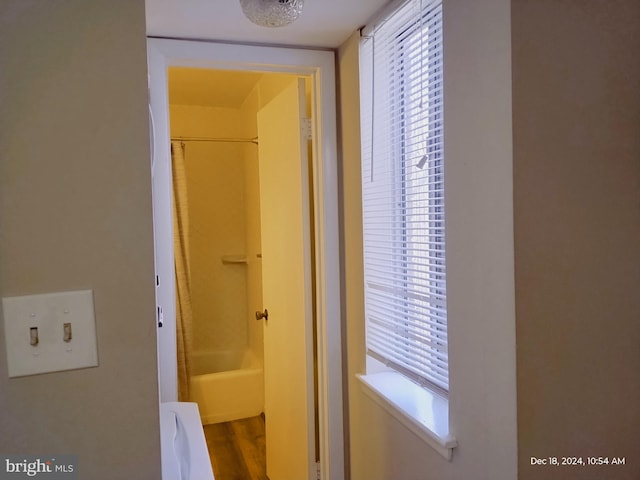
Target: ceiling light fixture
{"type": "Point", "coordinates": [272, 13]}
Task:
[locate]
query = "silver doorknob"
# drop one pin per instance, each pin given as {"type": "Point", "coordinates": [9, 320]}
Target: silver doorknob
{"type": "Point", "coordinates": [261, 315]}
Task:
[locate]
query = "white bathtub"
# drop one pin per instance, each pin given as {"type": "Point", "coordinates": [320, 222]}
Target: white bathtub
{"type": "Point", "coordinates": [226, 385]}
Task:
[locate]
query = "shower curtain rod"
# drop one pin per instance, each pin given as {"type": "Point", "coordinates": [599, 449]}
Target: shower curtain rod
{"type": "Point", "coordinates": [213, 139]}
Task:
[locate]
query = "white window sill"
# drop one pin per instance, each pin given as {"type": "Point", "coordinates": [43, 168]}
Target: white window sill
{"type": "Point", "coordinates": [423, 412]}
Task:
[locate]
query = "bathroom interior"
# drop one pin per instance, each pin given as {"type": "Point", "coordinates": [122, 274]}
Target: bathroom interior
{"type": "Point", "coordinates": [218, 257]}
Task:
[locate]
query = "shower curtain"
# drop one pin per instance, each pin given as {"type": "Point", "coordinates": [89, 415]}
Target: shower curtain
{"type": "Point", "coordinates": [184, 315]}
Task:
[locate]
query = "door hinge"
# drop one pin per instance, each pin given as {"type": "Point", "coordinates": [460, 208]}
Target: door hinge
{"type": "Point", "coordinates": [305, 126]}
{"type": "Point", "coordinates": [317, 470]}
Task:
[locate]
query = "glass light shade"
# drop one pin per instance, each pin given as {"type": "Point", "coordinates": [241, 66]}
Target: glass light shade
{"type": "Point", "coordinates": [272, 13]}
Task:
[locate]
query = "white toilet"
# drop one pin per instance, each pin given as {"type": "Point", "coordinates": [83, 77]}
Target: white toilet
{"type": "Point", "coordinates": [183, 446]}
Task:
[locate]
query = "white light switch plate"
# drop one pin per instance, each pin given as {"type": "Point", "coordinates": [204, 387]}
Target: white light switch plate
{"type": "Point", "coordinates": [49, 313]}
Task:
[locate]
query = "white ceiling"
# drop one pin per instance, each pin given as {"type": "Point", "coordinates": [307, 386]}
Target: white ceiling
{"type": "Point", "coordinates": [210, 88]}
{"type": "Point", "coordinates": [323, 23]}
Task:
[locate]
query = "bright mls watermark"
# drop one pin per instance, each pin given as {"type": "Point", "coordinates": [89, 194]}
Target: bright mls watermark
{"type": "Point", "coordinates": [52, 467]}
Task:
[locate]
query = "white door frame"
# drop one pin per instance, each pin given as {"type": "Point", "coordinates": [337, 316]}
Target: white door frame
{"type": "Point", "coordinates": [320, 67]}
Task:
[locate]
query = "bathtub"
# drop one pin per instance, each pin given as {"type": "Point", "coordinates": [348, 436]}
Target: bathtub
{"type": "Point", "coordinates": [226, 385]}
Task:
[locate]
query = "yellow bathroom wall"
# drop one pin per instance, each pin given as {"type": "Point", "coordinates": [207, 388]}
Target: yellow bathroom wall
{"type": "Point", "coordinates": [204, 121]}
{"type": "Point", "coordinates": [217, 209]}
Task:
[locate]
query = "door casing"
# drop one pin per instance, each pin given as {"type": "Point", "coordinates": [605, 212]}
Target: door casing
{"type": "Point", "coordinates": [319, 65]}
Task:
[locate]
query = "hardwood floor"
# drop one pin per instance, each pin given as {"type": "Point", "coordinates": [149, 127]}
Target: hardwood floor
{"type": "Point", "coordinates": [237, 449]}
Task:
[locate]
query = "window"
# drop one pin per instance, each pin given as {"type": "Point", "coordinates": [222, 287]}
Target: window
{"type": "Point", "coordinates": [403, 195]}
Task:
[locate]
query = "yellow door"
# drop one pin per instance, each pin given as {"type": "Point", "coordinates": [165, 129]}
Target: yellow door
{"type": "Point", "coordinates": [286, 272]}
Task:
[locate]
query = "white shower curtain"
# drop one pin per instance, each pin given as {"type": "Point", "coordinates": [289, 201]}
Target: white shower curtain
{"type": "Point", "coordinates": [184, 316]}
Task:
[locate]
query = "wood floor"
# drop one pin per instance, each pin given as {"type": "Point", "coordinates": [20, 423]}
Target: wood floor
{"type": "Point", "coordinates": [237, 449]}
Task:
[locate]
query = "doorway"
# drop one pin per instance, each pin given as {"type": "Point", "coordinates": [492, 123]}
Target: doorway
{"type": "Point", "coordinates": [318, 66]}
{"type": "Point", "coordinates": [243, 244]}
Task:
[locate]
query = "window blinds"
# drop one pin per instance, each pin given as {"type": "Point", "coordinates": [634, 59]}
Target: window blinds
{"type": "Point", "coordinates": [403, 193]}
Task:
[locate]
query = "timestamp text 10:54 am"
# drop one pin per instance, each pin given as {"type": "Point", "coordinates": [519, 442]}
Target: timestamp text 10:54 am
{"type": "Point", "coordinates": [578, 461]}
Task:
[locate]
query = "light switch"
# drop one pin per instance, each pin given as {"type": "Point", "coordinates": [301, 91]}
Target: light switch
{"type": "Point", "coordinates": [50, 332]}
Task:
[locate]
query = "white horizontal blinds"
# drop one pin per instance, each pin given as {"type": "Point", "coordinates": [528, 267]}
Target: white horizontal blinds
{"type": "Point", "coordinates": [403, 193]}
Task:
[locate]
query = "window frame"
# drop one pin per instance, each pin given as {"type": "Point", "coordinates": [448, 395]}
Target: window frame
{"type": "Point", "coordinates": [405, 69]}
{"type": "Point", "coordinates": [419, 403]}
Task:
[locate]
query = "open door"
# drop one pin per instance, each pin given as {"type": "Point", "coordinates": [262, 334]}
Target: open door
{"type": "Point", "coordinates": [287, 287]}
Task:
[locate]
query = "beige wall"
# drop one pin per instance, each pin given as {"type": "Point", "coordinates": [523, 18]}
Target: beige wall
{"type": "Point", "coordinates": [348, 92]}
{"type": "Point", "coordinates": [75, 213]}
{"type": "Point", "coordinates": [576, 100]}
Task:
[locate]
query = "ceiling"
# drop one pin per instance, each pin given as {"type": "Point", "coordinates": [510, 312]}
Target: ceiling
{"type": "Point", "coordinates": [210, 88]}
{"type": "Point", "coordinates": [323, 23]}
